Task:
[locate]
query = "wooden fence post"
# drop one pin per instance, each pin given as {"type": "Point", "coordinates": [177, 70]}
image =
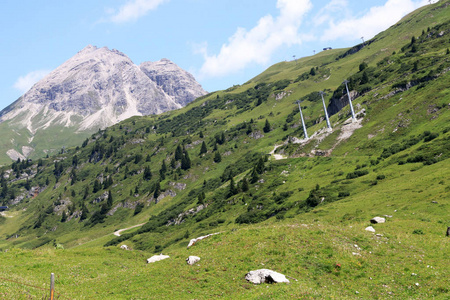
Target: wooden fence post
{"type": "Point", "coordinates": [52, 285]}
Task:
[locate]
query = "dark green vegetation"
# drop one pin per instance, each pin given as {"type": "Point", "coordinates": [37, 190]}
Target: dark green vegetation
{"type": "Point", "coordinates": [207, 168]}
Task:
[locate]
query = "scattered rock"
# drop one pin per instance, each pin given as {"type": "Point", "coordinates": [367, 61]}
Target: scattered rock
{"type": "Point", "coordinates": [435, 202]}
{"type": "Point", "coordinates": [124, 247]}
{"type": "Point", "coordinates": [370, 228]}
{"type": "Point", "coordinates": [193, 241]}
{"type": "Point", "coordinates": [265, 276]}
{"type": "Point", "coordinates": [192, 260]}
{"type": "Point", "coordinates": [448, 231]}
{"type": "Point", "coordinates": [387, 216]}
{"type": "Point", "coordinates": [156, 258]}
{"type": "Point", "coordinates": [377, 220]}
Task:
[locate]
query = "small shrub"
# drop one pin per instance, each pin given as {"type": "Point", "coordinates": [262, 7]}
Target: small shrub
{"type": "Point", "coordinates": [343, 194]}
{"type": "Point", "coordinates": [418, 231]}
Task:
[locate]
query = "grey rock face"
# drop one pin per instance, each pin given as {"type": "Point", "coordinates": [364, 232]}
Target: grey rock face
{"type": "Point", "coordinates": [173, 80]}
{"type": "Point", "coordinates": [103, 87]}
{"type": "Point", "coordinates": [97, 88]}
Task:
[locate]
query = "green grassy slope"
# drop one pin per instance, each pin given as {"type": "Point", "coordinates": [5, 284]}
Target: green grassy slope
{"type": "Point", "coordinates": [303, 216]}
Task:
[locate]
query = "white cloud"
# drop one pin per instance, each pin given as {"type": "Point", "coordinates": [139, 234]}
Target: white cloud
{"type": "Point", "coordinates": [24, 83]}
{"type": "Point", "coordinates": [135, 9]}
{"type": "Point", "coordinates": [259, 43]}
{"type": "Point", "coordinates": [377, 19]}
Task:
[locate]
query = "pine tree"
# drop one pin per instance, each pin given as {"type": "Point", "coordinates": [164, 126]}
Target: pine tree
{"type": "Point", "coordinates": [249, 129]}
{"type": "Point", "coordinates": [312, 72]}
{"type": "Point", "coordinates": [163, 170]}
{"type": "Point", "coordinates": [148, 159]}
{"type": "Point", "coordinates": [147, 173]}
{"type": "Point", "coordinates": [97, 186]}
{"type": "Point", "coordinates": [86, 192]}
{"type": "Point", "coordinates": [178, 153]}
{"type": "Point", "coordinates": [109, 201]}
{"type": "Point", "coordinates": [185, 161]}
{"type": "Point", "coordinates": [157, 191]}
{"type": "Point", "coordinates": [201, 198]}
{"type": "Point", "coordinates": [217, 157]}
{"type": "Point", "coordinates": [254, 176]}
{"type": "Point", "coordinates": [200, 135]}
{"type": "Point", "coordinates": [203, 149]}
{"type": "Point", "coordinates": [63, 217]}
{"type": "Point", "coordinates": [365, 78]}
{"type": "Point", "coordinates": [232, 189]}
{"type": "Point", "coordinates": [84, 212]}
{"type": "Point", "coordinates": [244, 186]}
{"type": "Point", "coordinates": [266, 126]}
{"type": "Point", "coordinates": [260, 166]}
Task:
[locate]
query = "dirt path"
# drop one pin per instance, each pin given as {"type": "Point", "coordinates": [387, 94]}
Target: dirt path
{"type": "Point", "coordinates": [117, 233]}
{"type": "Point", "coordinates": [277, 156]}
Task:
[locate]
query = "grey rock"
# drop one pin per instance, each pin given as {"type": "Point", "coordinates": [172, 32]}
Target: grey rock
{"type": "Point", "coordinates": [156, 258]}
{"type": "Point", "coordinates": [377, 220]}
{"type": "Point", "coordinates": [192, 260]}
{"type": "Point", "coordinates": [265, 276]}
{"type": "Point", "coordinates": [370, 229]}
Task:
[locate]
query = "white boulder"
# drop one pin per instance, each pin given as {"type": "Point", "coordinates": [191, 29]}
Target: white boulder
{"type": "Point", "coordinates": [370, 228]}
{"type": "Point", "coordinates": [156, 258]}
{"type": "Point", "coordinates": [124, 247]}
{"type": "Point", "coordinates": [192, 260]}
{"type": "Point", "coordinates": [265, 275]}
{"type": "Point", "coordinates": [377, 220]}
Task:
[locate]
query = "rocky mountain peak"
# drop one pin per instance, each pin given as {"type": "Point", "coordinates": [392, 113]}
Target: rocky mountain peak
{"type": "Point", "coordinates": [99, 87]}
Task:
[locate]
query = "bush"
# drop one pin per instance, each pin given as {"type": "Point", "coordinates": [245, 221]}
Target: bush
{"type": "Point", "coordinates": [356, 174]}
{"type": "Point", "coordinates": [343, 194]}
{"type": "Point", "coordinates": [418, 231]}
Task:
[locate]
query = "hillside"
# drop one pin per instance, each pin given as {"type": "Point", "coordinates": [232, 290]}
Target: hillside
{"type": "Point", "coordinates": [235, 162]}
{"type": "Point", "coordinates": [94, 89]}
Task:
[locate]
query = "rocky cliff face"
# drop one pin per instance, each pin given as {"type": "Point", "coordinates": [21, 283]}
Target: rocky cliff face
{"type": "Point", "coordinates": [174, 81]}
{"type": "Point", "coordinates": [95, 89]}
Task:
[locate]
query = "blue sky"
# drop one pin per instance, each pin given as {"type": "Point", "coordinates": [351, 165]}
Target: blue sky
{"type": "Point", "coordinates": [221, 43]}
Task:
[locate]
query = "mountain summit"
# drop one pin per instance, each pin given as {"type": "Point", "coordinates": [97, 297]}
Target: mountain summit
{"type": "Point", "coordinates": [94, 89]}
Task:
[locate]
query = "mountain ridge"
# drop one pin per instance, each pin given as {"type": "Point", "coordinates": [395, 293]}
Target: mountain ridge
{"type": "Point", "coordinates": [97, 88]}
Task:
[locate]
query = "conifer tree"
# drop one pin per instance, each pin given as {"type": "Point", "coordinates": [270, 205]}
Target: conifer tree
{"type": "Point", "coordinates": [147, 173]}
{"type": "Point", "coordinates": [178, 153]}
{"type": "Point", "coordinates": [157, 191]}
{"type": "Point", "coordinates": [266, 126]}
{"type": "Point", "coordinates": [244, 186]}
{"type": "Point", "coordinates": [109, 202]}
{"type": "Point", "coordinates": [203, 149]}
{"type": "Point", "coordinates": [260, 166]}
{"type": "Point", "coordinates": [217, 157]}
{"type": "Point", "coordinates": [185, 161]}
{"type": "Point", "coordinates": [249, 129]}
{"type": "Point", "coordinates": [97, 186]}
{"type": "Point", "coordinates": [163, 170]}
{"type": "Point", "coordinates": [254, 176]}
{"type": "Point", "coordinates": [63, 217]}
{"type": "Point", "coordinates": [232, 189]}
